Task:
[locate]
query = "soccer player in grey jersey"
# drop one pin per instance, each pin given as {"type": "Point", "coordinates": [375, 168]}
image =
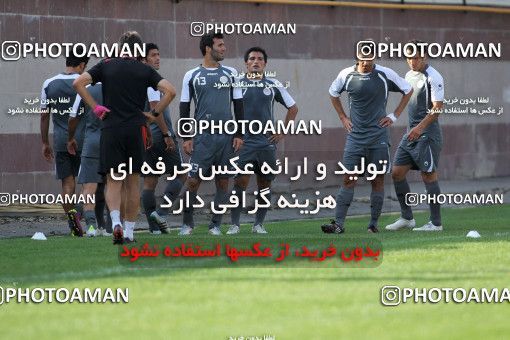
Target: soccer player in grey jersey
{"type": "Point", "coordinates": [367, 86]}
{"type": "Point", "coordinates": [213, 103]}
{"type": "Point", "coordinates": [420, 147]}
{"type": "Point", "coordinates": [57, 98]}
{"type": "Point", "coordinates": [164, 147]}
{"type": "Point", "coordinates": [88, 174]}
{"type": "Point", "coordinates": [258, 103]}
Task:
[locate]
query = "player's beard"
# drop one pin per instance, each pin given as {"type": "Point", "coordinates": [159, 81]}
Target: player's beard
{"type": "Point", "coordinates": [216, 56]}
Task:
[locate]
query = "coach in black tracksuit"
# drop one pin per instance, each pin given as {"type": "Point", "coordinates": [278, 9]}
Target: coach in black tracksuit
{"type": "Point", "coordinates": [125, 82]}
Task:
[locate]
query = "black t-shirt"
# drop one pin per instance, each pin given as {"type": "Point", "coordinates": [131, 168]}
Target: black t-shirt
{"type": "Point", "coordinates": [125, 82]}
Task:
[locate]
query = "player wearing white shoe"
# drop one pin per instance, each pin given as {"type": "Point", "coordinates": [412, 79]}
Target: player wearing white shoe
{"type": "Point", "coordinates": [212, 103]}
{"type": "Point", "coordinates": [368, 86]}
{"type": "Point", "coordinates": [164, 148]}
{"type": "Point", "coordinates": [259, 96]}
{"type": "Point", "coordinates": [420, 147]}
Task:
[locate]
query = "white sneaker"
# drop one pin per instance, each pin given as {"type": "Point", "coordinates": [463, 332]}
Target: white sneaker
{"type": "Point", "coordinates": [102, 232]}
{"type": "Point", "coordinates": [234, 229]}
{"type": "Point", "coordinates": [258, 229]}
{"type": "Point", "coordinates": [186, 230]}
{"type": "Point", "coordinates": [160, 221]}
{"type": "Point", "coordinates": [429, 227]}
{"type": "Point", "coordinates": [129, 233]}
{"type": "Point", "coordinates": [215, 231]}
{"type": "Point", "coordinates": [91, 232]}
{"type": "Point", "coordinates": [400, 224]}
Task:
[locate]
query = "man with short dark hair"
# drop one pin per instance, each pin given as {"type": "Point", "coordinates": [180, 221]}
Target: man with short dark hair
{"type": "Point", "coordinates": [212, 103]}
{"type": "Point", "coordinates": [125, 81]}
{"type": "Point", "coordinates": [420, 147]}
{"type": "Point", "coordinates": [57, 98]}
{"type": "Point", "coordinates": [368, 86]}
{"type": "Point", "coordinates": [164, 148]}
{"type": "Point", "coordinates": [259, 95]}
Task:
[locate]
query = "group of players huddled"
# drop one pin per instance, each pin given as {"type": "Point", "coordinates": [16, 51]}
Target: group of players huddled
{"type": "Point", "coordinates": [121, 115]}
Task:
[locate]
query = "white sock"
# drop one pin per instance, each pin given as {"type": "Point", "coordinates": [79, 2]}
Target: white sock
{"type": "Point", "coordinates": [115, 216]}
{"type": "Point", "coordinates": [130, 229]}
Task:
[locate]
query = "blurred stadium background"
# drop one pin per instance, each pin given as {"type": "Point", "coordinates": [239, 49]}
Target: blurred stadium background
{"type": "Point", "coordinates": [474, 146]}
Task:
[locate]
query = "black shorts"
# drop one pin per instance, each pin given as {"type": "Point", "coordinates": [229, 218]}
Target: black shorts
{"type": "Point", "coordinates": [172, 159]}
{"type": "Point", "coordinates": [119, 144]}
{"type": "Point", "coordinates": [66, 164]}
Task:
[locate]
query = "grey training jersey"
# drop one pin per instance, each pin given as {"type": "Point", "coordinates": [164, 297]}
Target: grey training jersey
{"type": "Point", "coordinates": [258, 102]}
{"type": "Point", "coordinates": [93, 124]}
{"type": "Point", "coordinates": [368, 96]}
{"type": "Point", "coordinates": [428, 87]}
{"type": "Point", "coordinates": [212, 92]}
{"type": "Point", "coordinates": [157, 135]}
{"type": "Point", "coordinates": [58, 96]}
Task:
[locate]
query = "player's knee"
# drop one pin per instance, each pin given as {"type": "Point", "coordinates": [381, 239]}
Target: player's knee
{"type": "Point", "coordinates": [68, 190]}
{"type": "Point", "coordinates": [378, 183]}
{"type": "Point", "coordinates": [241, 181]}
{"type": "Point", "coordinates": [183, 178]}
{"type": "Point", "coordinates": [192, 184]}
{"type": "Point", "coordinates": [263, 182]}
{"type": "Point", "coordinates": [398, 174]}
{"type": "Point", "coordinates": [429, 177]}
{"type": "Point", "coordinates": [222, 184]}
{"type": "Point", "coordinates": [349, 183]}
{"type": "Point", "coordinates": [89, 189]}
{"type": "Point", "coordinates": [150, 183]}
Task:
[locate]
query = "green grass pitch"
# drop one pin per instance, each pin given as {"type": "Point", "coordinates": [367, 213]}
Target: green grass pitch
{"type": "Point", "coordinates": [284, 302]}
